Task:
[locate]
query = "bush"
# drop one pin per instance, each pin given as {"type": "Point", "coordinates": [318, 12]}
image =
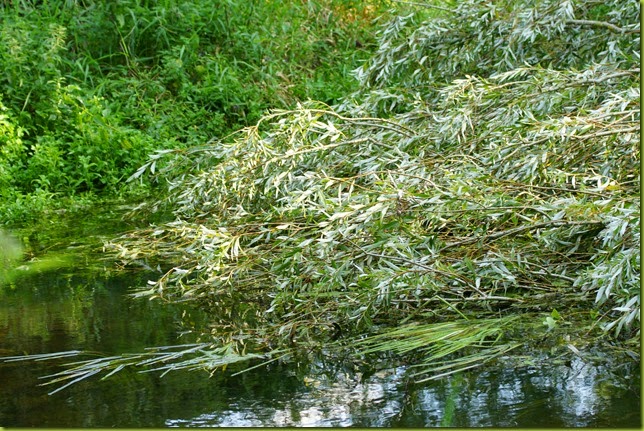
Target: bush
{"type": "Point", "coordinates": [90, 88]}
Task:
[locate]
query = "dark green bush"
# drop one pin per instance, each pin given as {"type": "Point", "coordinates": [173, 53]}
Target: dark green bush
{"type": "Point", "coordinates": [90, 88]}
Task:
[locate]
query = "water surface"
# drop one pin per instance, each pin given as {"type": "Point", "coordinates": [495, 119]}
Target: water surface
{"type": "Point", "coordinates": [83, 305]}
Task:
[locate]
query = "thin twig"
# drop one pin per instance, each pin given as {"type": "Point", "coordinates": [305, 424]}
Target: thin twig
{"type": "Point", "coordinates": [605, 24]}
{"type": "Point", "coordinates": [469, 298]}
{"type": "Point", "coordinates": [606, 133]}
{"type": "Point", "coordinates": [403, 130]}
{"type": "Point", "coordinates": [315, 149]}
{"type": "Point", "coordinates": [427, 5]}
{"type": "Point", "coordinates": [556, 189]}
{"type": "Point", "coordinates": [612, 75]}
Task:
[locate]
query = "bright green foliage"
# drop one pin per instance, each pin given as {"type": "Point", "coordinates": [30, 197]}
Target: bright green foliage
{"type": "Point", "coordinates": [89, 89]}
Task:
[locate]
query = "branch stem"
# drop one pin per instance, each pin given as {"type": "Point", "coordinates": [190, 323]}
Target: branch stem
{"type": "Point", "coordinates": [604, 24]}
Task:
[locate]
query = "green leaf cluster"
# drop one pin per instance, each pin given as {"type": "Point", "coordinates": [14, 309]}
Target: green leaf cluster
{"type": "Point", "coordinates": [474, 174]}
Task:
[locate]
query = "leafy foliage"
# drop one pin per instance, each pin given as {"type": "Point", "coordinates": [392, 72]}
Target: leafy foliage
{"type": "Point", "coordinates": [89, 89]}
{"type": "Point", "coordinates": [487, 167]}
{"type": "Point", "coordinates": [416, 53]}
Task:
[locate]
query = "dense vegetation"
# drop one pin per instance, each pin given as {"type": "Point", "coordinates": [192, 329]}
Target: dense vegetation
{"type": "Point", "coordinates": [476, 194]}
{"type": "Point", "coordinates": [89, 88]}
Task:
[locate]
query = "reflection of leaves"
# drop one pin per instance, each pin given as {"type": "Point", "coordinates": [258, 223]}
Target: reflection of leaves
{"type": "Point", "coordinates": [10, 250]}
{"type": "Point", "coordinates": [49, 262]}
{"type": "Point", "coordinates": [455, 389]}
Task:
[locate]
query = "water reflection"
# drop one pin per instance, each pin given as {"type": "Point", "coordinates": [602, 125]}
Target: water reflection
{"type": "Point", "coordinates": [10, 253]}
{"type": "Point", "coordinates": [75, 309]}
{"type": "Point", "coordinates": [561, 396]}
{"type": "Point", "coordinates": [320, 402]}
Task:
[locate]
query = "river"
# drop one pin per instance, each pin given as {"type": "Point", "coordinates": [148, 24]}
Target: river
{"type": "Point", "coordinates": [82, 304]}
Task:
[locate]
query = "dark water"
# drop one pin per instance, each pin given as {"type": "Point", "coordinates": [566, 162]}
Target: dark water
{"type": "Point", "coordinates": [84, 307]}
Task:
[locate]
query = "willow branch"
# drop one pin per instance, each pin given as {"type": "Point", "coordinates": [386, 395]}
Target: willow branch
{"type": "Point", "coordinates": [516, 231]}
{"type": "Point", "coordinates": [427, 5]}
{"type": "Point", "coordinates": [607, 25]}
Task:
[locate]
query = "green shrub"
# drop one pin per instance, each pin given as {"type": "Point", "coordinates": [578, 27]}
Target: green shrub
{"type": "Point", "coordinates": [90, 88]}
